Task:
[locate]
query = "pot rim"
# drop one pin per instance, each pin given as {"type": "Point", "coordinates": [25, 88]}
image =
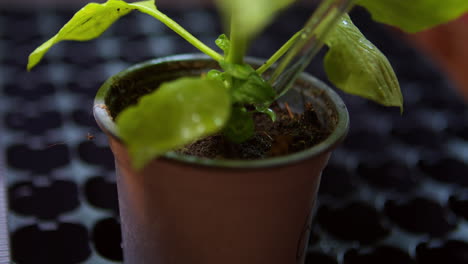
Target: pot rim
{"type": "Point", "coordinates": [106, 123]}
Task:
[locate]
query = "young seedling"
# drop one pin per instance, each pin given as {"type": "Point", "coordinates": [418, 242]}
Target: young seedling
{"type": "Point", "coordinates": [194, 107]}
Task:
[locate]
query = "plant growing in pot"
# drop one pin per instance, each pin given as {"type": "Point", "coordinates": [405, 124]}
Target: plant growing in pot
{"type": "Point", "coordinates": [219, 158]}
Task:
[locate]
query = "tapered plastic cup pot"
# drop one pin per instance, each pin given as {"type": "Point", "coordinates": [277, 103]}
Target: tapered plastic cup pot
{"type": "Point", "coordinates": [181, 209]}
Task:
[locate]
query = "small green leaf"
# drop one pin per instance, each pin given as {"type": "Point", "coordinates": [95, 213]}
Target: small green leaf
{"type": "Point", "coordinates": [240, 126]}
{"type": "Point", "coordinates": [414, 15]}
{"type": "Point", "coordinates": [239, 71]}
{"type": "Point", "coordinates": [177, 113]}
{"type": "Point", "coordinates": [357, 67]}
{"type": "Point", "coordinates": [215, 75]}
{"type": "Point", "coordinates": [247, 86]}
{"type": "Point", "coordinates": [89, 23]}
{"type": "Point", "coordinates": [254, 90]}
{"type": "Point", "coordinates": [224, 44]}
{"type": "Point", "coordinates": [267, 111]}
{"type": "Point", "coordinates": [250, 17]}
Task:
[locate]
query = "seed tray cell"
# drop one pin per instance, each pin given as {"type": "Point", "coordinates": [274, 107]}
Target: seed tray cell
{"type": "Point", "coordinates": [421, 216]}
{"type": "Point", "coordinates": [394, 192]}
{"type": "Point", "coordinates": [363, 223]}
{"type": "Point", "coordinates": [43, 202]}
{"type": "Point", "coordinates": [459, 205]}
{"type": "Point", "coordinates": [381, 255]}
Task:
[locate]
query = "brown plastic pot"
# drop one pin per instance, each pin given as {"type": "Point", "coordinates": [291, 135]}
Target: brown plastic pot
{"type": "Point", "coordinates": [181, 209]}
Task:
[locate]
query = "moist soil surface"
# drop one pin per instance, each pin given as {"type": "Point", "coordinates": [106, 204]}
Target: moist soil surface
{"type": "Point", "coordinates": [290, 133]}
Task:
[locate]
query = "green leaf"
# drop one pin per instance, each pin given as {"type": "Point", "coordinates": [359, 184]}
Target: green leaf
{"type": "Point", "coordinates": [267, 111]}
{"type": "Point", "coordinates": [224, 44]}
{"type": "Point", "coordinates": [250, 90]}
{"type": "Point", "coordinates": [240, 126]}
{"type": "Point", "coordinates": [177, 113]}
{"type": "Point", "coordinates": [215, 75]}
{"type": "Point", "coordinates": [247, 86]}
{"type": "Point", "coordinates": [250, 17]}
{"type": "Point", "coordinates": [89, 23]}
{"type": "Point", "coordinates": [357, 67]}
{"type": "Point", "coordinates": [414, 15]}
{"type": "Point", "coordinates": [254, 90]}
{"type": "Point", "coordinates": [239, 71]}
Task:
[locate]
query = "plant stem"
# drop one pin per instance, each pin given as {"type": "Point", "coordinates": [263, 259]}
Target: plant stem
{"type": "Point", "coordinates": [279, 53]}
{"type": "Point", "coordinates": [184, 34]}
{"type": "Point", "coordinates": [238, 45]}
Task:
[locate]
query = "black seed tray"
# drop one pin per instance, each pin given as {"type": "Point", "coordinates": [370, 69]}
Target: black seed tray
{"type": "Point", "coordinates": [396, 191]}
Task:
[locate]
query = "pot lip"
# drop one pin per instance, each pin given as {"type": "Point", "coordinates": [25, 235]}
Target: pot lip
{"type": "Point", "coordinates": [106, 123]}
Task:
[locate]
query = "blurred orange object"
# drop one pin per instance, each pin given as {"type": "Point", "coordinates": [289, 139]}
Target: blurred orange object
{"type": "Point", "coordinates": [448, 45]}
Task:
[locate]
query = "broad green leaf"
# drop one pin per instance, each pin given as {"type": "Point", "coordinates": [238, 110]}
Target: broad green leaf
{"type": "Point", "coordinates": [89, 23]}
{"type": "Point", "coordinates": [177, 113]}
{"type": "Point", "coordinates": [414, 15]}
{"type": "Point", "coordinates": [250, 17]}
{"type": "Point", "coordinates": [240, 126]}
{"type": "Point", "coordinates": [357, 67]}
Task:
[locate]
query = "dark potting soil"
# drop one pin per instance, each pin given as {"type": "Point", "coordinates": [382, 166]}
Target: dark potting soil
{"type": "Point", "coordinates": [291, 132]}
